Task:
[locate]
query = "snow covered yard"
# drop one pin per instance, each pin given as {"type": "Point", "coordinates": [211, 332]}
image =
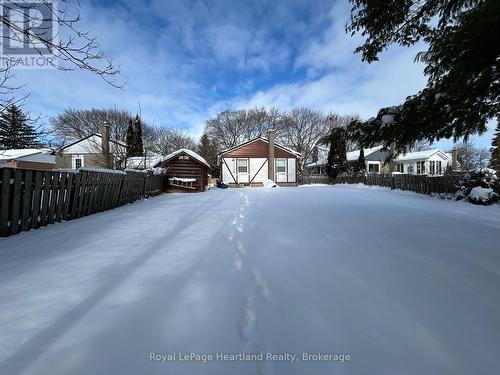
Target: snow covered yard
{"type": "Point", "coordinates": [403, 283]}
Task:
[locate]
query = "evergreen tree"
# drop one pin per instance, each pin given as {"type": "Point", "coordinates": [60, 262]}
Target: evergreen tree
{"type": "Point", "coordinates": [15, 129]}
{"type": "Point", "coordinates": [462, 66]}
{"type": "Point", "coordinates": [361, 165]}
{"type": "Point", "coordinates": [139, 147]}
{"type": "Point", "coordinates": [337, 158]}
{"type": "Point", "coordinates": [495, 150]}
{"type": "Point", "coordinates": [207, 148]}
{"type": "Point", "coordinates": [130, 138]}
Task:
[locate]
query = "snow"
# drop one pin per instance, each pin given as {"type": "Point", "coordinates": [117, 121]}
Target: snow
{"type": "Point", "coordinates": [269, 184]}
{"type": "Point", "coordinates": [191, 153]}
{"type": "Point", "coordinates": [354, 155]}
{"type": "Point", "coordinates": [403, 283]}
{"type": "Point", "coordinates": [20, 153]}
{"type": "Point", "coordinates": [419, 155]}
{"type": "Point", "coordinates": [181, 179]}
{"type": "Point", "coordinates": [481, 194]}
{"type": "Point", "coordinates": [387, 120]}
{"type": "Point", "coordinates": [140, 162]}
{"type": "Point", "coordinates": [103, 170]}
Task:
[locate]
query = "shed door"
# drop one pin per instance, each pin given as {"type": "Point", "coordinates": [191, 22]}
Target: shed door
{"type": "Point", "coordinates": [242, 170]}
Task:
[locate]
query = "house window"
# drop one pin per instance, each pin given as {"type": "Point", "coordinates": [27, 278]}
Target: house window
{"type": "Point", "coordinates": [242, 165]}
{"type": "Point", "coordinates": [420, 167]}
{"type": "Point", "coordinates": [280, 165]}
{"type": "Point", "coordinates": [184, 157]}
{"type": "Point", "coordinates": [373, 168]}
{"type": "Point", "coordinates": [432, 167]}
{"type": "Point", "coordinates": [77, 161]}
{"type": "Point", "coordinates": [439, 167]}
{"type": "Point", "coordinates": [401, 168]}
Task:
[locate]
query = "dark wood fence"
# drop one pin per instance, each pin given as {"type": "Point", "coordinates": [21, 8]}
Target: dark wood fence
{"type": "Point", "coordinates": [418, 183]}
{"type": "Point", "coordinates": [30, 199]}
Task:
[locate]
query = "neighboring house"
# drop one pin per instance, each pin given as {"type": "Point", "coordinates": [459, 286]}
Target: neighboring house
{"type": "Point", "coordinates": [148, 161]}
{"type": "Point", "coordinates": [186, 171]}
{"type": "Point", "coordinates": [431, 162]}
{"type": "Point", "coordinates": [30, 158]}
{"type": "Point", "coordinates": [89, 152]}
{"type": "Point", "coordinates": [253, 162]}
{"type": "Point", "coordinates": [375, 158]}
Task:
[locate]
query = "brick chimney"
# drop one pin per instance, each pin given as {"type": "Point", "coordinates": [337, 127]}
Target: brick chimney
{"type": "Point", "coordinates": [270, 160]}
{"type": "Point", "coordinates": [105, 145]}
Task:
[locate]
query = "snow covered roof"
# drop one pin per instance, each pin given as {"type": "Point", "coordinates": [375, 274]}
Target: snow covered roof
{"type": "Point", "coordinates": [191, 153]}
{"type": "Point", "coordinates": [418, 155]}
{"type": "Point", "coordinates": [354, 155]}
{"type": "Point", "coordinates": [20, 153]}
{"type": "Point", "coordinates": [151, 160]}
{"type": "Point", "coordinates": [261, 139]}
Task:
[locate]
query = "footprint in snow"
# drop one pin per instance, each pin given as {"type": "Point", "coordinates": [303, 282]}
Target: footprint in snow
{"type": "Point", "coordinates": [238, 262]}
{"type": "Point", "coordinates": [241, 248]}
{"type": "Point", "coordinates": [261, 284]}
{"type": "Point", "coordinates": [248, 318]}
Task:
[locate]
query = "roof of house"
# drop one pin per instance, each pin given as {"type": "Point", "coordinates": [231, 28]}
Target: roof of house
{"type": "Point", "coordinates": [20, 153]}
{"type": "Point", "coordinates": [149, 161]}
{"type": "Point", "coordinates": [87, 137]}
{"type": "Point", "coordinates": [257, 139]}
{"type": "Point", "coordinates": [354, 155]}
{"type": "Point", "coordinates": [418, 155]}
{"type": "Point", "coordinates": [350, 156]}
{"type": "Point", "coordinates": [191, 153]}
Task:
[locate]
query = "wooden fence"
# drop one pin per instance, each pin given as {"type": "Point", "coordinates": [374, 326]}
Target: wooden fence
{"type": "Point", "coordinates": [30, 199]}
{"type": "Point", "coordinates": [418, 183]}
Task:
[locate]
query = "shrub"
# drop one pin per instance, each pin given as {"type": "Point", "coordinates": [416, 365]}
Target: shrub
{"type": "Point", "coordinates": [478, 187]}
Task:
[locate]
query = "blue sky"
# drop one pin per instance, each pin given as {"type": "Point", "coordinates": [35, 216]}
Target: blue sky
{"type": "Point", "coordinates": [184, 61]}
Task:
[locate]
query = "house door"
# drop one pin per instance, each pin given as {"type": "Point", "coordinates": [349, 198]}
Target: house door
{"type": "Point", "coordinates": [242, 170]}
{"type": "Point", "coordinates": [281, 175]}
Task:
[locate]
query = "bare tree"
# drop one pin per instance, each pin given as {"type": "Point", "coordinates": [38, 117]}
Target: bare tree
{"type": "Point", "coordinates": [74, 124]}
{"type": "Point", "coordinates": [302, 130]}
{"type": "Point", "coordinates": [164, 140]}
{"type": "Point", "coordinates": [77, 123]}
{"type": "Point", "coordinates": [68, 47]}
{"type": "Point", "coordinates": [471, 157]}
{"type": "Point", "coordinates": [231, 128]}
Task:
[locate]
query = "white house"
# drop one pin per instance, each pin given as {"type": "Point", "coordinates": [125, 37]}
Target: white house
{"type": "Point", "coordinates": [30, 158]}
{"type": "Point", "coordinates": [88, 152]}
{"type": "Point", "coordinates": [430, 162]}
{"type": "Point", "coordinates": [253, 162]}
